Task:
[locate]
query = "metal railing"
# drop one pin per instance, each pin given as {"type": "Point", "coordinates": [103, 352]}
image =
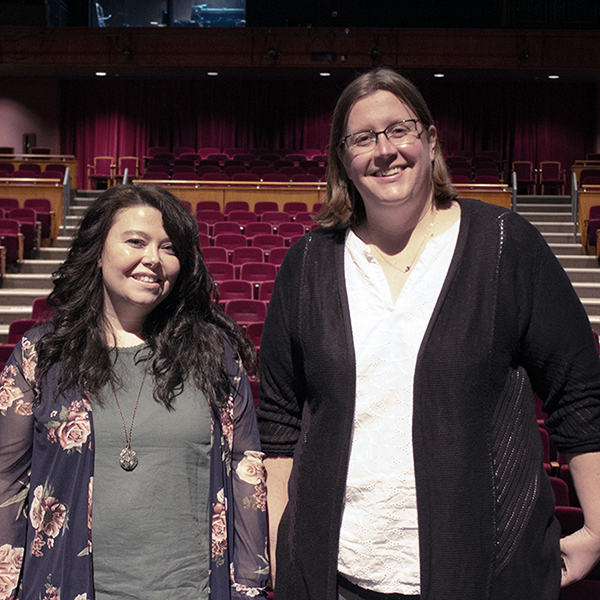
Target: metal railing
{"type": "Point", "coordinates": [514, 191]}
{"type": "Point", "coordinates": [574, 205]}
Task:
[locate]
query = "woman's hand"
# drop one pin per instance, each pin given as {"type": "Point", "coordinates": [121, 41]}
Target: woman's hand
{"type": "Point", "coordinates": [580, 552]}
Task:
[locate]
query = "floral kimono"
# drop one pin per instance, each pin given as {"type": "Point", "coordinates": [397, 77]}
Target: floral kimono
{"type": "Point", "coordinates": [46, 488]}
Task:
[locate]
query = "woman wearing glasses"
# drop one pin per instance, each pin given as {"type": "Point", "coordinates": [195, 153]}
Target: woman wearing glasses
{"type": "Point", "coordinates": [401, 347]}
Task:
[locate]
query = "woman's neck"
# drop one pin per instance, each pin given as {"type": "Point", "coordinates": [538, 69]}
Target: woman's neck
{"type": "Point", "coordinates": [123, 333]}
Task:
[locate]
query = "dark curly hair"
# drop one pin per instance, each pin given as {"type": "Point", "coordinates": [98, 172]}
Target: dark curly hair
{"type": "Point", "coordinates": [184, 334]}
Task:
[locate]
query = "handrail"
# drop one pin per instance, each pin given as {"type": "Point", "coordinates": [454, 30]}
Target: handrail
{"type": "Point", "coordinates": [574, 205]}
{"type": "Point", "coordinates": [514, 191]}
{"type": "Point", "coordinates": [66, 194]}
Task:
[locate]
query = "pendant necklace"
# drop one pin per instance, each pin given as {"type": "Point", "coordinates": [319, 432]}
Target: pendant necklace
{"type": "Point", "coordinates": [408, 267]}
{"type": "Point", "coordinates": [128, 458]}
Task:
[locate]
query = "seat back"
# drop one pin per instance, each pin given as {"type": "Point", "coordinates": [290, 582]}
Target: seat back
{"type": "Point", "coordinates": [523, 169]}
{"type": "Point", "coordinates": [236, 205]}
{"type": "Point", "coordinates": [257, 227]}
{"type": "Point", "coordinates": [550, 169]}
{"type": "Point", "coordinates": [17, 328]}
{"type": "Point", "coordinates": [9, 203]}
{"type": "Point", "coordinates": [28, 166]}
{"type": "Point", "coordinates": [23, 215]}
{"type": "Point", "coordinates": [102, 165]}
{"type": "Point", "coordinates": [264, 205]}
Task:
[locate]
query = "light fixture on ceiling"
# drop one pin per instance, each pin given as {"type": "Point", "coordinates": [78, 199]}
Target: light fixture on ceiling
{"type": "Point", "coordinates": [553, 77]}
{"type": "Point", "coordinates": [325, 74]}
{"type": "Point", "coordinates": [439, 75]}
{"type": "Point", "coordinates": [212, 73]}
{"type": "Point", "coordinates": [100, 73]}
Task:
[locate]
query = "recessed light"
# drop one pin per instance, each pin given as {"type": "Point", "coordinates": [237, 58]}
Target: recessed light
{"type": "Point", "coordinates": [212, 73]}
{"type": "Point", "coordinates": [552, 76]}
{"type": "Point", "coordinates": [100, 73]}
{"type": "Point", "coordinates": [439, 75]}
{"type": "Point", "coordinates": [325, 74]}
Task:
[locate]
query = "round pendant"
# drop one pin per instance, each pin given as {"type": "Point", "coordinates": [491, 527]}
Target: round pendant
{"type": "Point", "coordinates": [128, 459]}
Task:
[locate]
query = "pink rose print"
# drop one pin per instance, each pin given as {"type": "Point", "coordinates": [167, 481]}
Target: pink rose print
{"type": "Point", "coordinates": [250, 469]}
{"type": "Point", "coordinates": [11, 560]}
{"type": "Point", "coordinates": [73, 433]}
{"type": "Point", "coordinates": [52, 593]}
{"type": "Point", "coordinates": [37, 545]}
{"type": "Point", "coordinates": [11, 393]}
{"type": "Point", "coordinates": [48, 517]}
{"type": "Point", "coordinates": [29, 361]}
{"type": "Point", "coordinates": [260, 497]}
{"type": "Point", "coordinates": [227, 422]}
{"type": "Point", "coordinates": [71, 427]}
{"type": "Point", "coordinates": [219, 529]}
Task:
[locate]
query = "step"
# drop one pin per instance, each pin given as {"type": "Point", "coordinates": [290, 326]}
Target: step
{"type": "Point", "coordinates": [40, 266]}
{"type": "Point", "coordinates": [21, 297]}
{"type": "Point", "coordinates": [592, 307]}
{"type": "Point", "coordinates": [564, 249]}
{"type": "Point", "coordinates": [538, 199]}
{"type": "Point", "coordinates": [577, 275]}
{"type": "Point", "coordinates": [58, 253]}
{"type": "Point", "coordinates": [587, 290]}
{"type": "Point", "coordinates": [8, 314]}
{"type": "Point", "coordinates": [543, 208]}
{"type": "Point", "coordinates": [77, 211]}
{"type": "Point", "coordinates": [26, 281]}
{"type": "Point", "coordinates": [559, 238]}
{"type": "Point", "coordinates": [595, 323]}
{"type": "Point", "coordinates": [548, 217]}
{"type": "Point", "coordinates": [64, 241]}
{"type": "Point", "coordinates": [578, 262]}
{"type": "Point", "coordinates": [564, 228]}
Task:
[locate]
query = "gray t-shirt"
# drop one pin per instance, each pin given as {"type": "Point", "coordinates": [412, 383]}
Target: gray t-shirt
{"type": "Point", "coordinates": [150, 533]}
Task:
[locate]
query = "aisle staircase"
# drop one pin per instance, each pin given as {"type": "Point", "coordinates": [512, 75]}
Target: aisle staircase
{"type": "Point", "coordinates": [550, 214]}
{"type": "Point", "coordinates": [35, 279]}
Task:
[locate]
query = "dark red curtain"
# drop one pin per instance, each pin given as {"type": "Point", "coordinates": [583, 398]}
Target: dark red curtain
{"type": "Point", "coordinates": [524, 121]}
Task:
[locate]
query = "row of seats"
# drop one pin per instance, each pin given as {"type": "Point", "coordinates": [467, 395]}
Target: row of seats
{"type": "Point", "coordinates": [31, 170]}
{"type": "Point", "coordinates": [22, 229]}
{"type": "Point", "coordinates": [530, 180]}
{"type": "Point", "coordinates": [204, 152]}
{"type": "Point", "coordinates": [242, 168]}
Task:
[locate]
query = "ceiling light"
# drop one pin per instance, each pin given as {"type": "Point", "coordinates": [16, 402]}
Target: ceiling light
{"type": "Point", "coordinates": [212, 73]}
{"type": "Point", "coordinates": [552, 76]}
{"type": "Point", "coordinates": [325, 74]}
{"type": "Point", "coordinates": [100, 73]}
{"type": "Point", "coordinates": [439, 75]}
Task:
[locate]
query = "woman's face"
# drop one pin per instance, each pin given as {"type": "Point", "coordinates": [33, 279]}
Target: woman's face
{"type": "Point", "coordinates": [139, 266]}
{"type": "Point", "coordinates": [390, 179]}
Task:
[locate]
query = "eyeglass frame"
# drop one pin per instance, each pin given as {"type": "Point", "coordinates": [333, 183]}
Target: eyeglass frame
{"type": "Point", "coordinates": [343, 142]}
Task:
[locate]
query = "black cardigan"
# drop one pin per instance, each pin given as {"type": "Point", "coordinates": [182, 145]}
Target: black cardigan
{"type": "Point", "coordinates": [507, 316]}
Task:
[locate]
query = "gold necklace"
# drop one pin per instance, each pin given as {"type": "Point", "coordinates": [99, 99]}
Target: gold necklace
{"type": "Point", "coordinates": [128, 458]}
{"type": "Point", "coordinates": [408, 267]}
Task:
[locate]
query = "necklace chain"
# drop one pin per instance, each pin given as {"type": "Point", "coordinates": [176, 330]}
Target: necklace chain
{"type": "Point", "coordinates": [408, 267]}
{"type": "Point", "coordinates": [128, 457]}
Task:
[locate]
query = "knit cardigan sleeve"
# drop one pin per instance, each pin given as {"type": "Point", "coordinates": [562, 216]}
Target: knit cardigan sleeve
{"type": "Point", "coordinates": [560, 355]}
{"type": "Point", "coordinates": [281, 381]}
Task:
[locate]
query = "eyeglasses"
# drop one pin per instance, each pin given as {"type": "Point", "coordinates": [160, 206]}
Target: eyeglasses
{"type": "Point", "coordinates": [400, 134]}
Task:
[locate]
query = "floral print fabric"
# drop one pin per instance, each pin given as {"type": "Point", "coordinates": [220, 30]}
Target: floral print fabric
{"type": "Point", "coordinates": [46, 488]}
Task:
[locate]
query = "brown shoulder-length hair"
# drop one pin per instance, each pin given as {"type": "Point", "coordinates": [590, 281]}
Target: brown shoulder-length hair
{"type": "Point", "coordinates": [344, 206]}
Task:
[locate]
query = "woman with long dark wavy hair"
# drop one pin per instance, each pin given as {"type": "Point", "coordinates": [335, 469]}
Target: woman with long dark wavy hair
{"type": "Point", "coordinates": [133, 400]}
